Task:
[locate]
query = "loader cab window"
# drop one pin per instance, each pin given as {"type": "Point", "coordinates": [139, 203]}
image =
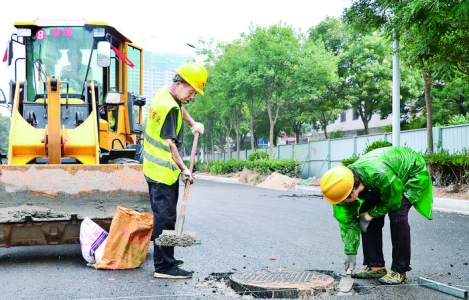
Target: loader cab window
{"type": "Point", "coordinates": [67, 53]}
{"type": "Point", "coordinates": [135, 78]}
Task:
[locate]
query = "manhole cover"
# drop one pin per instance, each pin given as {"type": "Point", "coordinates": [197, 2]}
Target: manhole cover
{"type": "Point", "coordinates": [282, 283]}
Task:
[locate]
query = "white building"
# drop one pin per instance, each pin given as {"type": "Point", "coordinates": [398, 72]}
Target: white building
{"type": "Point", "coordinates": [351, 125]}
{"type": "Point", "coordinates": [159, 72]}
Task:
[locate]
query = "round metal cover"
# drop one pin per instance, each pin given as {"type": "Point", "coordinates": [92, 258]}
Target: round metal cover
{"type": "Point", "coordinates": [281, 283]}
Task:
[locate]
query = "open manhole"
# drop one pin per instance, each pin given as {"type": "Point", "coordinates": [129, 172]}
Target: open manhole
{"type": "Point", "coordinates": [282, 283]}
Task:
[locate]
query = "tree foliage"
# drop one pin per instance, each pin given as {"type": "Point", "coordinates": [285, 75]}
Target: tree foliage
{"type": "Point", "coordinates": [433, 36]}
{"type": "Point", "coordinates": [4, 133]}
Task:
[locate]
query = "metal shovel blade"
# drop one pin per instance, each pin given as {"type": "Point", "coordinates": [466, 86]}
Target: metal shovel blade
{"type": "Point", "coordinates": [346, 283]}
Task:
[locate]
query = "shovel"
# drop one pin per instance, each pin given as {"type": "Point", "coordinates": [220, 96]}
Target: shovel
{"type": "Point", "coordinates": [177, 237]}
{"type": "Point", "coordinates": [346, 283]}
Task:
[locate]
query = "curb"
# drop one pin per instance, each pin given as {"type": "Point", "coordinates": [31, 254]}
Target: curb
{"type": "Point", "coordinates": [216, 178]}
{"type": "Point", "coordinates": [439, 204]}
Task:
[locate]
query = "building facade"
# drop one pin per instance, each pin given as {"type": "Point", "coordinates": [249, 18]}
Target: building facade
{"type": "Point", "coordinates": [159, 72]}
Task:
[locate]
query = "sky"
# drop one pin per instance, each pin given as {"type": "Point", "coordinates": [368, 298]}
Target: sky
{"type": "Point", "coordinates": [165, 26]}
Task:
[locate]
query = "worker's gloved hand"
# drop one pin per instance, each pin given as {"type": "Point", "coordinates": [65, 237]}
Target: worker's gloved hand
{"type": "Point", "coordinates": [197, 127]}
{"type": "Point", "coordinates": [363, 222]}
{"type": "Point", "coordinates": [187, 175]}
{"type": "Point", "coordinates": [350, 262]}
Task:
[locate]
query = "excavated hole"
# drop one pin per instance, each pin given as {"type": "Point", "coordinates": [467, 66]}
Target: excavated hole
{"type": "Point", "coordinates": [221, 284]}
{"type": "Point", "coordinates": [300, 196]}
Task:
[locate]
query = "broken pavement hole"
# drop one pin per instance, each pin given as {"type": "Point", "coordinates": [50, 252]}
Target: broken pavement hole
{"type": "Point", "coordinates": [298, 196]}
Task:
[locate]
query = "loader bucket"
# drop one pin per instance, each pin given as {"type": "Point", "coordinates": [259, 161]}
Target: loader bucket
{"type": "Point", "coordinates": [45, 204]}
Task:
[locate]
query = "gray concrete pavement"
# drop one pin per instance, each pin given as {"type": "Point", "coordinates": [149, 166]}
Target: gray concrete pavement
{"type": "Point", "coordinates": [439, 204]}
{"type": "Point", "coordinates": [243, 228]}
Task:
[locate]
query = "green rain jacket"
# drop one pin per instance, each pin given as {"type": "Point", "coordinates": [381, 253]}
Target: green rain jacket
{"type": "Point", "coordinates": [391, 172]}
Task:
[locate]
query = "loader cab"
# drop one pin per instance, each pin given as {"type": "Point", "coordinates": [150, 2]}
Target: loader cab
{"type": "Point", "coordinates": [79, 62]}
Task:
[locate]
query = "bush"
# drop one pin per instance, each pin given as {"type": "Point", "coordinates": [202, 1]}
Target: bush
{"type": "Point", "coordinates": [448, 169]}
{"type": "Point", "coordinates": [370, 147]}
{"type": "Point", "coordinates": [287, 167]}
{"type": "Point", "coordinates": [376, 145]}
{"type": "Point", "coordinates": [258, 156]}
{"type": "Point", "coordinates": [336, 134]}
{"type": "Point", "coordinates": [348, 161]}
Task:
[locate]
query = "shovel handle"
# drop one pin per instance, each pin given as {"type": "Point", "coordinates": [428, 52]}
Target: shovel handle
{"type": "Point", "coordinates": [182, 213]}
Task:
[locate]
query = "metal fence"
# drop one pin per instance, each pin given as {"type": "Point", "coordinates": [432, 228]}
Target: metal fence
{"type": "Point", "coordinates": [316, 157]}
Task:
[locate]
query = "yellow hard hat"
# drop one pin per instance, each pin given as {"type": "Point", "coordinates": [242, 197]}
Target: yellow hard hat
{"type": "Point", "coordinates": [194, 74]}
{"type": "Point", "coordinates": [337, 184]}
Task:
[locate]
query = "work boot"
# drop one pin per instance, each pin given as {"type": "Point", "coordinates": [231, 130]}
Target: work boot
{"type": "Point", "coordinates": [392, 277]}
{"type": "Point", "coordinates": [173, 272]}
{"type": "Point", "coordinates": [368, 273]}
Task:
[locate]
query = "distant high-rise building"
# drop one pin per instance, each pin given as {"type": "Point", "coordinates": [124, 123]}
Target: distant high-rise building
{"type": "Point", "coordinates": [159, 72]}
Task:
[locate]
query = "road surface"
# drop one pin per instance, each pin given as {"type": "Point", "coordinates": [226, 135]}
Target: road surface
{"type": "Point", "coordinates": [243, 228]}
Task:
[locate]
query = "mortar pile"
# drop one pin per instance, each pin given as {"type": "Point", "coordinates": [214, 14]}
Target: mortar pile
{"type": "Point", "coordinates": [167, 240]}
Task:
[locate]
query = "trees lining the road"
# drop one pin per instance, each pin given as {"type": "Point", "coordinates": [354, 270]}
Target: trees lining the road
{"type": "Point", "coordinates": [276, 80]}
{"type": "Point", "coordinates": [433, 36]}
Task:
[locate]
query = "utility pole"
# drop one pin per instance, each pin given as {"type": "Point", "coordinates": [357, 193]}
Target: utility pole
{"type": "Point", "coordinates": [396, 94]}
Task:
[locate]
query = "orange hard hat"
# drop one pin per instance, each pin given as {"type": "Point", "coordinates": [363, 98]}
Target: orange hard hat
{"type": "Point", "coordinates": [337, 184]}
{"type": "Point", "coordinates": [194, 74]}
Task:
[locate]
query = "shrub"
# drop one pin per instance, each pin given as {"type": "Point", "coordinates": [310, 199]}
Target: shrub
{"type": "Point", "coordinates": [376, 145]}
{"type": "Point", "coordinates": [258, 156]}
{"type": "Point", "coordinates": [288, 167]}
{"type": "Point", "coordinates": [350, 160]}
{"type": "Point", "coordinates": [448, 169]}
{"type": "Point", "coordinates": [370, 147]}
{"type": "Point", "coordinates": [336, 134]}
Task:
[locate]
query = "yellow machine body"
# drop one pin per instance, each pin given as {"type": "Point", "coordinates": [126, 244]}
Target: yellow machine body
{"type": "Point", "coordinates": [75, 144]}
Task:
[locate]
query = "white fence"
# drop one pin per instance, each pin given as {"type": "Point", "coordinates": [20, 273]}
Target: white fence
{"type": "Point", "coordinates": [316, 157]}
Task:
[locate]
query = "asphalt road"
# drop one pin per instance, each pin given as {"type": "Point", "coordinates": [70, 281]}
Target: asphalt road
{"type": "Point", "coordinates": [243, 228]}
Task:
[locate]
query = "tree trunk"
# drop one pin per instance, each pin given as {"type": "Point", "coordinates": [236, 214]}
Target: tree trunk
{"type": "Point", "coordinates": [367, 126]}
{"type": "Point", "coordinates": [251, 125]}
{"type": "Point", "coordinates": [213, 147]}
{"type": "Point", "coordinates": [271, 140]}
{"type": "Point", "coordinates": [238, 140]}
{"type": "Point", "coordinates": [427, 77]}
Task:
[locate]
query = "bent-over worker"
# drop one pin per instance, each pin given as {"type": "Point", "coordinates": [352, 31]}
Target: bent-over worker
{"type": "Point", "coordinates": [387, 180]}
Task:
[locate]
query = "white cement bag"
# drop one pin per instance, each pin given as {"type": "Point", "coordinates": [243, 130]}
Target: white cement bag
{"type": "Point", "coordinates": [93, 239]}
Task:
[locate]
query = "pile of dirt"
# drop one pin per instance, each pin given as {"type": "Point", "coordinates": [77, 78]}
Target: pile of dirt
{"type": "Point", "coordinates": [249, 177]}
{"type": "Point", "coordinates": [279, 182]}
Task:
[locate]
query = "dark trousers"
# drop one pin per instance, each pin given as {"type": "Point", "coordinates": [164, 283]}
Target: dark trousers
{"type": "Point", "coordinates": [164, 200]}
{"type": "Point", "coordinates": [372, 240]}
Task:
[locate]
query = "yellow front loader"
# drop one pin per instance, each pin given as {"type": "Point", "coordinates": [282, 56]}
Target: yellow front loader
{"type": "Point", "coordinates": [75, 141]}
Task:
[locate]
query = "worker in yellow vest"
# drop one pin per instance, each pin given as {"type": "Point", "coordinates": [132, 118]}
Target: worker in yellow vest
{"type": "Point", "coordinates": [162, 162]}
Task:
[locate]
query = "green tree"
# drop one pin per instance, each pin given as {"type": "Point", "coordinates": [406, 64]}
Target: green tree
{"type": "Point", "coordinates": [316, 73]}
{"type": "Point", "coordinates": [433, 36]}
{"type": "Point", "coordinates": [336, 36]}
{"type": "Point", "coordinates": [273, 51]}
{"type": "Point", "coordinates": [368, 76]}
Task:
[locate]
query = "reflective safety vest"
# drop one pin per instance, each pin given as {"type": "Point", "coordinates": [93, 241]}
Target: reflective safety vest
{"type": "Point", "coordinates": [158, 162]}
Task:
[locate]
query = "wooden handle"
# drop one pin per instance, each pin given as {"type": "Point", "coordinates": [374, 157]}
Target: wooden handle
{"type": "Point", "coordinates": [182, 213]}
